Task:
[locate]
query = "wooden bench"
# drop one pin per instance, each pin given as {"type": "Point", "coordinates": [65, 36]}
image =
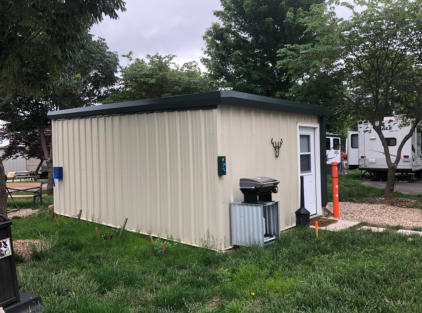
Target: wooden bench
{"type": "Point", "coordinates": [35, 190]}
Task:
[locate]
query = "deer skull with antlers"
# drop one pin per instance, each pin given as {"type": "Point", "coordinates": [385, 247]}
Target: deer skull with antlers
{"type": "Point", "coordinates": [277, 145]}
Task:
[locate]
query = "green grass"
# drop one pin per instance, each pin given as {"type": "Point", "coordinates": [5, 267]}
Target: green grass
{"type": "Point", "coordinates": [350, 271]}
{"type": "Point", "coordinates": [351, 189]}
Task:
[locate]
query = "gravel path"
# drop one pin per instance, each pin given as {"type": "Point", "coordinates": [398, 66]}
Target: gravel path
{"type": "Point", "coordinates": [379, 214]}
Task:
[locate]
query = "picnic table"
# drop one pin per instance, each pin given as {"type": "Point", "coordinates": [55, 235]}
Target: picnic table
{"type": "Point", "coordinates": [24, 190]}
{"type": "Point", "coordinates": [22, 175]}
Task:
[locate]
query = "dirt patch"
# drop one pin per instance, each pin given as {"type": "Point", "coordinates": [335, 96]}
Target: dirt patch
{"type": "Point", "coordinates": [25, 247]}
{"type": "Point", "coordinates": [255, 305]}
{"type": "Point", "coordinates": [214, 301]}
{"type": "Point", "coordinates": [379, 214]}
{"type": "Point", "coordinates": [21, 213]}
{"type": "Point", "coordinates": [398, 202]}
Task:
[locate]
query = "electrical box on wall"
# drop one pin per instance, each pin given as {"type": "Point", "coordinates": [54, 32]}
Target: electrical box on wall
{"type": "Point", "coordinates": [222, 166]}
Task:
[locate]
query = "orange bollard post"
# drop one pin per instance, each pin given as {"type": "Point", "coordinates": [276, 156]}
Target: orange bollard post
{"type": "Point", "coordinates": [334, 176]}
{"type": "Point", "coordinates": [316, 229]}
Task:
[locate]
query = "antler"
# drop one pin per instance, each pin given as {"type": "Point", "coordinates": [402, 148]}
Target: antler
{"type": "Point", "coordinates": [277, 146]}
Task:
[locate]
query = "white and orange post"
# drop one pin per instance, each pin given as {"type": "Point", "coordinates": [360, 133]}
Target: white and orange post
{"type": "Point", "coordinates": [334, 176]}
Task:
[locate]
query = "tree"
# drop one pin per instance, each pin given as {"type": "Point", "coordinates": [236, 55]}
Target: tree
{"type": "Point", "coordinates": [82, 82]}
{"type": "Point", "coordinates": [158, 76]}
{"type": "Point", "coordinates": [374, 58]}
{"type": "Point", "coordinates": [36, 39]}
{"type": "Point", "coordinates": [242, 49]}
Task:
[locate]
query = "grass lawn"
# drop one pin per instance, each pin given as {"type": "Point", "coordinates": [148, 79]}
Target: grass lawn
{"type": "Point", "coordinates": [350, 271]}
{"type": "Point", "coordinates": [351, 189]}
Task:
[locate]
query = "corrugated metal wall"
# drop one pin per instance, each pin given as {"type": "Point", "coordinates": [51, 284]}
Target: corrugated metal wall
{"type": "Point", "coordinates": [157, 169]}
{"type": "Point", "coordinates": [160, 169]}
{"type": "Point", "coordinates": [245, 139]}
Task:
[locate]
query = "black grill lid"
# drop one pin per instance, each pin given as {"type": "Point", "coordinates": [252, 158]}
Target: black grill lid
{"type": "Point", "coordinates": [258, 182]}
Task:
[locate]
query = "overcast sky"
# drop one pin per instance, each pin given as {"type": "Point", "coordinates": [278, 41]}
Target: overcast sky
{"type": "Point", "coordinates": [163, 26]}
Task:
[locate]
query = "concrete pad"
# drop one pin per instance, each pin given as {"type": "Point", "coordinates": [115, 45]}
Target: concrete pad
{"type": "Point", "coordinates": [373, 229]}
{"type": "Point", "coordinates": [339, 225]}
{"type": "Point", "coordinates": [409, 232]}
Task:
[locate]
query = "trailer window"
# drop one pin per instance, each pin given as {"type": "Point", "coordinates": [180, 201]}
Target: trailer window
{"type": "Point", "coordinates": [391, 142]}
{"type": "Point", "coordinates": [336, 144]}
{"type": "Point", "coordinates": [354, 141]}
{"type": "Point", "coordinates": [327, 144]}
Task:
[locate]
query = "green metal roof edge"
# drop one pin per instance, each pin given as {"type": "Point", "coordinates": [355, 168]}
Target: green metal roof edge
{"type": "Point", "coordinates": [190, 102]}
{"type": "Point", "coordinates": [251, 100]}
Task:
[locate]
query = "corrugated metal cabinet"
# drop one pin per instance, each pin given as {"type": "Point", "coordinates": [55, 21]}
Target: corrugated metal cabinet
{"type": "Point", "coordinates": [254, 223]}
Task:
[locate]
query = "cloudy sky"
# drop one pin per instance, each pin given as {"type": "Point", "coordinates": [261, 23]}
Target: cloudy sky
{"type": "Point", "coordinates": [163, 26]}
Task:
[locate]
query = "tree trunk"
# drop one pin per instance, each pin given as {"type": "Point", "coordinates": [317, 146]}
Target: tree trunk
{"type": "Point", "coordinates": [48, 160]}
{"type": "Point", "coordinates": [392, 166]}
{"type": "Point", "coordinates": [50, 177]}
{"type": "Point", "coordinates": [391, 180]}
{"type": "Point", "coordinates": [3, 191]}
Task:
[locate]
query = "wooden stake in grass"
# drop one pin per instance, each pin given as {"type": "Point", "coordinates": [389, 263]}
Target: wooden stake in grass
{"type": "Point", "coordinates": [57, 221]}
{"type": "Point", "coordinates": [79, 215]}
{"type": "Point", "coordinates": [152, 244]}
{"type": "Point", "coordinates": [123, 227]}
{"type": "Point", "coordinates": [36, 218]}
{"type": "Point", "coordinates": [164, 247]}
{"type": "Point", "coordinates": [97, 232]}
{"type": "Point", "coordinates": [316, 229]}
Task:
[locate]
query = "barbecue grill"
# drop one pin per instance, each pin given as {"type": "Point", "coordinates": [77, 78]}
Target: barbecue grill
{"type": "Point", "coordinates": [258, 189]}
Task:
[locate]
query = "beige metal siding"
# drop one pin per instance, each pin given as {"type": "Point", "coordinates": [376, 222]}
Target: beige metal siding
{"type": "Point", "coordinates": [245, 135]}
{"type": "Point", "coordinates": [157, 169]}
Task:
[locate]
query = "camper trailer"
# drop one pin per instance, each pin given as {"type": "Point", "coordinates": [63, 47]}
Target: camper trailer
{"type": "Point", "coordinates": [352, 149]}
{"type": "Point", "coordinates": [371, 152]}
{"type": "Point", "coordinates": [333, 146]}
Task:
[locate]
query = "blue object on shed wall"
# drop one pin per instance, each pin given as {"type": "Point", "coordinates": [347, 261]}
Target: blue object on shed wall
{"type": "Point", "coordinates": [57, 173]}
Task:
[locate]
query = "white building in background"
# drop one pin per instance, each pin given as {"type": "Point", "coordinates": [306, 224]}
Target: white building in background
{"type": "Point", "coordinates": [19, 164]}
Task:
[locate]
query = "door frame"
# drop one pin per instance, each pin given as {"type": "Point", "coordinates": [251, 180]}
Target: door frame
{"type": "Point", "coordinates": [317, 160]}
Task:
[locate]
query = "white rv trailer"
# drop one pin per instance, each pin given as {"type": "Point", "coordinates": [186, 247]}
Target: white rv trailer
{"type": "Point", "coordinates": [333, 148]}
{"type": "Point", "coordinates": [352, 149]}
{"type": "Point", "coordinates": [371, 151]}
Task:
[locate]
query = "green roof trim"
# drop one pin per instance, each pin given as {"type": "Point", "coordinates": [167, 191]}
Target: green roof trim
{"type": "Point", "coordinates": [190, 102]}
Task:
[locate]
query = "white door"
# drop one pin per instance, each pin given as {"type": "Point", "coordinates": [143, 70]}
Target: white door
{"type": "Point", "coordinates": [307, 167]}
{"type": "Point", "coordinates": [352, 148]}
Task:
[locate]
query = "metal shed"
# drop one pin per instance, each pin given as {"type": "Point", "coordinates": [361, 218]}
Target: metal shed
{"type": "Point", "coordinates": [155, 161]}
